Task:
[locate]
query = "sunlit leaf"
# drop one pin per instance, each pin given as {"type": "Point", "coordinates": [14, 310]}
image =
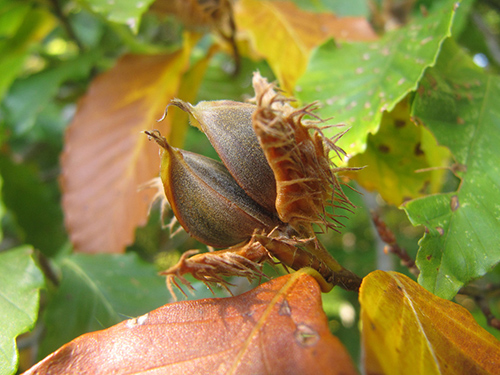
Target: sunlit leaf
{"type": "Point", "coordinates": [22, 26]}
{"type": "Point", "coordinates": [406, 327]}
{"type": "Point", "coordinates": [24, 102]}
{"type": "Point", "coordinates": [278, 328]}
{"type": "Point", "coordinates": [394, 156]}
{"type": "Point", "coordinates": [285, 35]}
{"type": "Point", "coordinates": [97, 291]}
{"type": "Point", "coordinates": [356, 83]}
{"type": "Point", "coordinates": [2, 207]}
{"type": "Point", "coordinates": [20, 281]}
{"type": "Point", "coordinates": [461, 106]}
{"type": "Point", "coordinates": [106, 158]}
{"type": "Point", "coordinates": [126, 12]}
{"type": "Point", "coordinates": [340, 8]}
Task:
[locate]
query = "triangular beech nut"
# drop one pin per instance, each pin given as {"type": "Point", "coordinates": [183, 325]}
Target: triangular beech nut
{"type": "Point", "coordinates": [206, 200]}
{"type": "Point", "coordinates": [228, 126]}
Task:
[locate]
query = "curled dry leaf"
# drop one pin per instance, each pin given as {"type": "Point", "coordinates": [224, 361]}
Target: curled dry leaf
{"type": "Point", "coordinates": [285, 35]}
{"type": "Point", "coordinates": [277, 328]}
{"type": "Point", "coordinates": [407, 327]}
{"type": "Point", "coordinates": [106, 160]}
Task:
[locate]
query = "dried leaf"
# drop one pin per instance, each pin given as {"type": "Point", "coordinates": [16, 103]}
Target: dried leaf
{"type": "Point", "coordinates": [213, 14]}
{"type": "Point", "coordinates": [106, 159]}
{"type": "Point", "coordinates": [285, 35]}
{"type": "Point", "coordinates": [406, 327]}
{"type": "Point", "coordinates": [277, 328]}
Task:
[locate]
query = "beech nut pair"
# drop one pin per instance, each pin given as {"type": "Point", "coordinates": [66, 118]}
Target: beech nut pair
{"type": "Point", "coordinates": [276, 181]}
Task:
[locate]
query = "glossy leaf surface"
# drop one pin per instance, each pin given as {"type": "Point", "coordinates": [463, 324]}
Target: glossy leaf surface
{"type": "Point", "coordinates": [461, 106]}
{"type": "Point", "coordinates": [277, 328]}
{"type": "Point", "coordinates": [406, 327]}
{"type": "Point", "coordinates": [357, 82]}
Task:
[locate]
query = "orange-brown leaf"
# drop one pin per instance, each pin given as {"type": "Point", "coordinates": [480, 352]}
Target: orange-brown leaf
{"type": "Point", "coordinates": [106, 158]}
{"type": "Point", "coordinates": [276, 328]}
{"type": "Point", "coordinates": [212, 14]}
{"type": "Point", "coordinates": [406, 327]}
{"type": "Point", "coordinates": [285, 35]}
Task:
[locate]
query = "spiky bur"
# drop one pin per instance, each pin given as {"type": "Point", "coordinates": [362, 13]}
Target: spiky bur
{"type": "Point", "coordinates": [299, 155]}
{"type": "Point", "coordinates": [276, 182]}
{"type": "Point", "coordinates": [242, 260]}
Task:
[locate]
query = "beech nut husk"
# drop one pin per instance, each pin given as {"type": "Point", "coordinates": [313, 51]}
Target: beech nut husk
{"type": "Point", "coordinates": [275, 183]}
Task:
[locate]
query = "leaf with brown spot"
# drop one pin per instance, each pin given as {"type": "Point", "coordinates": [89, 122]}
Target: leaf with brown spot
{"type": "Point", "coordinates": [406, 327]}
{"type": "Point", "coordinates": [285, 35]}
{"type": "Point", "coordinates": [402, 161]}
{"type": "Point", "coordinates": [106, 158]}
{"type": "Point", "coordinates": [276, 328]}
{"type": "Point", "coordinates": [357, 82]}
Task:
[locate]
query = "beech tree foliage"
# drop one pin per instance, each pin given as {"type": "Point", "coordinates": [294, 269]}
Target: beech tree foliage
{"type": "Point", "coordinates": [408, 90]}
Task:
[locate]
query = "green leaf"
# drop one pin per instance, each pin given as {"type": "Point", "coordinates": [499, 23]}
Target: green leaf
{"type": "Point", "coordinates": [11, 17]}
{"type": "Point", "coordinates": [353, 8]}
{"type": "Point", "coordinates": [97, 291]}
{"type": "Point", "coordinates": [2, 208]}
{"type": "Point", "coordinates": [356, 83]}
{"type": "Point", "coordinates": [20, 281]}
{"type": "Point", "coordinates": [217, 84]}
{"type": "Point", "coordinates": [24, 102]}
{"type": "Point", "coordinates": [461, 106]}
{"type": "Point", "coordinates": [33, 204]}
{"type": "Point", "coordinates": [29, 26]}
{"type": "Point", "coordinates": [126, 12]}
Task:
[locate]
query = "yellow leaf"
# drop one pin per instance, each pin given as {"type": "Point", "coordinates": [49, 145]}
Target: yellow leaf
{"type": "Point", "coordinates": [106, 158]}
{"type": "Point", "coordinates": [285, 35]}
{"type": "Point", "coordinates": [407, 329]}
{"type": "Point", "coordinates": [394, 156]}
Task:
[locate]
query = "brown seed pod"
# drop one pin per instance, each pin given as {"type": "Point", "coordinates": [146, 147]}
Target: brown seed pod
{"type": "Point", "coordinates": [206, 200]}
{"type": "Point", "coordinates": [276, 181]}
{"type": "Point", "coordinates": [228, 126]}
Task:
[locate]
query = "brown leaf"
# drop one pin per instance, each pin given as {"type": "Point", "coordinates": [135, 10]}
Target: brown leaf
{"type": "Point", "coordinates": [106, 158]}
{"type": "Point", "coordinates": [407, 327]}
{"type": "Point", "coordinates": [276, 328]}
{"type": "Point", "coordinates": [212, 14]}
{"type": "Point", "coordinates": [285, 35]}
